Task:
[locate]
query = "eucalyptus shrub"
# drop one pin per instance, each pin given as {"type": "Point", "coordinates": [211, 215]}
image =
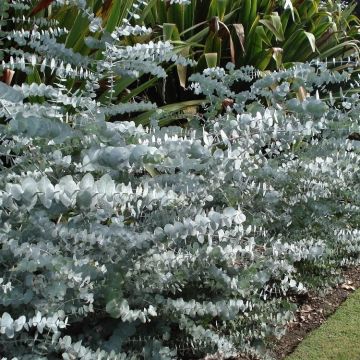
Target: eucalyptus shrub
{"type": "Point", "coordinates": [124, 242]}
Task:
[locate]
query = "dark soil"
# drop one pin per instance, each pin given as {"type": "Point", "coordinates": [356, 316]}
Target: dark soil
{"type": "Point", "coordinates": [312, 312]}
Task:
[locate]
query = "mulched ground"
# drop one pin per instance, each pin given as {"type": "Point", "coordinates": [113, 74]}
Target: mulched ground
{"type": "Point", "coordinates": [312, 312]}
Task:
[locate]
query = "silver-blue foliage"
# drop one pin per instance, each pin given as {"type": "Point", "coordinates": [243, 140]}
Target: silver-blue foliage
{"type": "Point", "coordinates": [124, 242]}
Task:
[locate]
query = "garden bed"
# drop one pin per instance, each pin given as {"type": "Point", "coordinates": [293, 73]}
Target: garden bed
{"type": "Point", "coordinates": [314, 310]}
{"type": "Point", "coordinates": [203, 223]}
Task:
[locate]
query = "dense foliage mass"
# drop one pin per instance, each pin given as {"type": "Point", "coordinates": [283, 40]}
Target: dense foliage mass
{"type": "Point", "coordinates": [124, 242]}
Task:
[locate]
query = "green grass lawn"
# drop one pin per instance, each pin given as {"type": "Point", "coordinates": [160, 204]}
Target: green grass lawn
{"type": "Point", "coordinates": [337, 339]}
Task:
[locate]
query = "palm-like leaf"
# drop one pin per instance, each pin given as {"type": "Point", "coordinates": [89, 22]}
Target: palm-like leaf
{"type": "Point", "coordinates": [265, 34]}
